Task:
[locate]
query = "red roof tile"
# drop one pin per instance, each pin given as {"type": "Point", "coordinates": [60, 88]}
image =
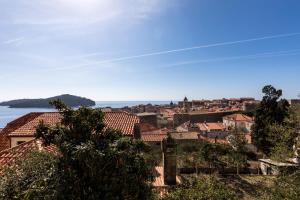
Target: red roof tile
{"type": "Point", "coordinates": [12, 126]}
{"type": "Point", "coordinates": [28, 129]}
{"type": "Point", "coordinates": [153, 137]}
{"type": "Point", "coordinates": [10, 155]}
{"type": "Point", "coordinates": [211, 126]}
{"type": "Point", "coordinates": [158, 172]}
{"type": "Point", "coordinates": [26, 125]}
{"type": "Point", "coordinates": [158, 176]}
{"type": "Point", "coordinates": [123, 121]}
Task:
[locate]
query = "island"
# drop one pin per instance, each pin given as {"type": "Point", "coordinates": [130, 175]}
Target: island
{"type": "Point", "coordinates": [69, 100]}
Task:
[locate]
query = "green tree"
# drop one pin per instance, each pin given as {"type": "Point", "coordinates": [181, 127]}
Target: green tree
{"type": "Point", "coordinates": [295, 115]}
{"type": "Point", "coordinates": [237, 154]}
{"type": "Point", "coordinates": [96, 162]}
{"type": "Point", "coordinates": [271, 110]}
{"type": "Point", "coordinates": [202, 154]}
{"type": "Point", "coordinates": [206, 188]}
{"type": "Point", "coordinates": [284, 136]}
{"type": "Point", "coordinates": [212, 154]}
{"type": "Point", "coordinates": [31, 177]}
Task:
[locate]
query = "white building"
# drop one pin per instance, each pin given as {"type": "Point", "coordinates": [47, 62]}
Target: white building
{"type": "Point", "coordinates": [239, 121]}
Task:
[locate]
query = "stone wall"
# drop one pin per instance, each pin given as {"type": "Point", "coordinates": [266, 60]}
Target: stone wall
{"type": "Point", "coordinates": [148, 119]}
{"type": "Point", "coordinates": [200, 117]}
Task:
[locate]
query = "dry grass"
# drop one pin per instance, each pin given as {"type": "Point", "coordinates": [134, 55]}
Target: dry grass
{"type": "Point", "coordinates": [250, 186]}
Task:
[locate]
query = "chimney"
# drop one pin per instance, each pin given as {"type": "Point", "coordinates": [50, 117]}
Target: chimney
{"type": "Point", "coordinates": [169, 160]}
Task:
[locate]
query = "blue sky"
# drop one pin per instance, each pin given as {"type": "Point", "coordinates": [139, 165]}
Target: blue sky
{"type": "Point", "coordinates": [148, 49]}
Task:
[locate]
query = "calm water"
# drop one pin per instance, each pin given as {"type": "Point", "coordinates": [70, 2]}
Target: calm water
{"type": "Point", "coordinates": [9, 114]}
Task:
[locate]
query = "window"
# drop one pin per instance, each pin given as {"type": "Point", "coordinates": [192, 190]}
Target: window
{"type": "Point", "coordinates": [20, 142]}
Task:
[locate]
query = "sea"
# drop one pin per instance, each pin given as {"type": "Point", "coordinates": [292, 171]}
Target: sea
{"type": "Point", "coordinates": [8, 114]}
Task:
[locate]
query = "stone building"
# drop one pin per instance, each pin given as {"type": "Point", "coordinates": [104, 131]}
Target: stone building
{"type": "Point", "coordinates": [240, 122]}
{"type": "Point", "coordinates": [148, 118]}
{"type": "Point", "coordinates": [169, 160]}
{"type": "Point", "coordinates": [200, 117]}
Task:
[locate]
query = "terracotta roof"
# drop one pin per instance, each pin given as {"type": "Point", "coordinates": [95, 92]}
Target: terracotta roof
{"type": "Point", "coordinates": [185, 125]}
{"type": "Point", "coordinates": [201, 126]}
{"type": "Point", "coordinates": [158, 172]}
{"type": "Point", "coordinates": [185, 135]}
{"type": "Point", "coordinates": [123, 121]}
{"type": "Point", "coordinates": [158, 177]}
{"type": "Point", "coordinates": [12, 126]}
{"type": "Point", "coordinates": [238, 117]}
{"type": "Point", "coordinates": [28, 129]}
{"type": "Point", "coordinates": [10, 155]}
{"type": "Point", "coordinates": [211, 126]}
{"type": "Point", "coordinates": [25, 125]}
{"type": "Point", "coordinates": [153, 137]}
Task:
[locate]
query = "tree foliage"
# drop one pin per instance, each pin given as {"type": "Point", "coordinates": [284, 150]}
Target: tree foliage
{"type": "Point", "coordinates": [31, 177]}
{"type": "Point", "coordinates": [272, 109]}
{"type": "Point", "coordinates": [284, 137]}
{"type": "Point", "coordinates": [237, 154]}
{"type": "Point", "coordinates": [207, 155]}
{"type": "Point", "coordinates": [96, 162]}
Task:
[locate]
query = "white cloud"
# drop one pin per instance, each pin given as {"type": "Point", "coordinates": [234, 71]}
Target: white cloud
{"type": "Point", "coordinates": [15, 41]}
{"type": "Point", "coordinates": [79, 12]}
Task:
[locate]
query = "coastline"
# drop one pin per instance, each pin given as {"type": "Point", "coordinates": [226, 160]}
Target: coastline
{"type": "Point", "coordinates": [8, 114]}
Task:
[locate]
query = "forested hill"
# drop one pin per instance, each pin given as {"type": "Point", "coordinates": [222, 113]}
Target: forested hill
{"type": "Point", "coordinates": [69, 100]}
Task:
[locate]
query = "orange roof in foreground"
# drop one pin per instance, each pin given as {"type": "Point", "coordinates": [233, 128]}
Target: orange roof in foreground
{"type": "Point", "coordinates": [9, 155]}
{"type": "Point", "coordinates": [122, 121]}
{"type": "Point", "coordinates": [12, 126]}
{"type": "Point", "coordinates": [238, 117]}
{"type": "Point", "coordinates": [28, 129]}
{"type": "Point", "coordinates": [26, 125]}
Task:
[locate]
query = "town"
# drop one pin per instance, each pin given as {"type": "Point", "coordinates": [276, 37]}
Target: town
{"type": "Point", "coordinates": [149, 100]}
{"type": "Point", "coordinates": [188, 140]}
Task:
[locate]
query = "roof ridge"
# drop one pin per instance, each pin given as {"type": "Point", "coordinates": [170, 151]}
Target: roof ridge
{"type": "Point", "coordinates": [18, 146]}
{"type": "Point", "coordinates": [120, 111]}
{"type": "Point", "coordinates": [23, 117]}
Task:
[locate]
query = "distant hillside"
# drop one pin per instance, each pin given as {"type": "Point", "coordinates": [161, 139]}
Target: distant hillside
{"type": "Point", "coordinates": [70, 100]}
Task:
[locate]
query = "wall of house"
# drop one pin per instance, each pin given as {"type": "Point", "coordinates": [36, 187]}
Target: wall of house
{"type": "Point", "coordinates": [245, 126]}
{"type": "Point", "coordinates": [215, 134]}
{"type": "Point", "coordinates": [249, 126]}
{"type": "Point", "coordinates": [14, 140]}
{"type": "Point", "coordinates": [148, 119]}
